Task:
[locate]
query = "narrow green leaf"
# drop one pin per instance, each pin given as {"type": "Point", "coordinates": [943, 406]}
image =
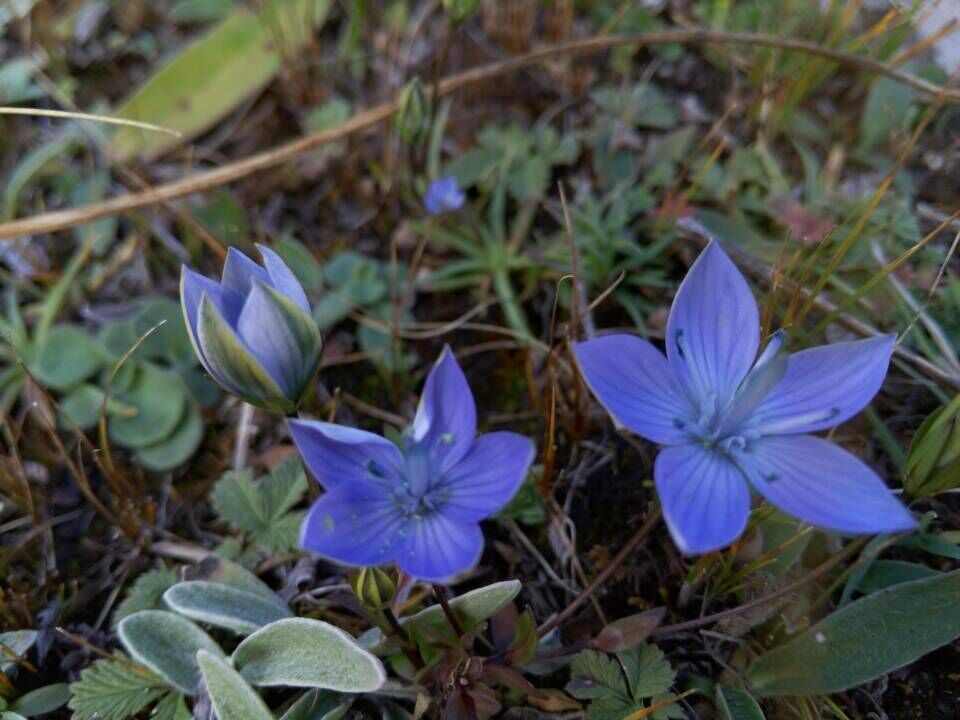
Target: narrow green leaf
{"type": "Point", "coordinates": [735, 704]}
{"type": "Point", "coordinates": [299, 652]}
{"type": "Point", "coordinates": [42, 700]}
{"type": "Point", "coordinates": [223, 606]}
{"type": "Point", "coordinates": [868, 638]}
{"type": "Point", "coordinates": [232, 697]}
{"type": "Point", "coordinates": [167, 644]}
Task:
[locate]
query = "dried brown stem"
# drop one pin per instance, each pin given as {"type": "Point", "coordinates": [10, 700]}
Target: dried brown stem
{"type": "Point", "coordinates": [638, 537]}
{"type": "Point", "coordinates": [204, 180]}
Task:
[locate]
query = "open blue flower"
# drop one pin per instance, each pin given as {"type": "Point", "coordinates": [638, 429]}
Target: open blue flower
{"type": "Point", "coordinates": [443, 194]}
{"type": "Point", "coordinates": [732, 420]}
{"type": "Point", "coordinates": [253, 330]}
{"type": "Point", "coordinates": [419, 506]}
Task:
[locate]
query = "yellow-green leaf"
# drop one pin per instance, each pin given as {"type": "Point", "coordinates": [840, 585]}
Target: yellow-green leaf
{"type": "Point", "coordinates": [209, 78]}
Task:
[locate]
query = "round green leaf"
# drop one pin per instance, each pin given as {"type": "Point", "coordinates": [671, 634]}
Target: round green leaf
{"type": "Point", "coordinates": [167, 644]}
{"type": "Point", "coordinates": [176, 448]}
{"type": "Point", "coordinates": [868, 638]}
{"type": "Point", "coordinates": [223, 606]}
{"type": "Point", "coordinates": [170, 340]}
{"type": "Point", "coordinates": [68, 356]}
{"type": "Point", "coordinates": [232, 697]}
{"type": "Point", "coordinates": [299, 652]}
{"type": "Point", "coordinates": [158, 397]}
{"type": "Point", "coordinates": [118, 337]}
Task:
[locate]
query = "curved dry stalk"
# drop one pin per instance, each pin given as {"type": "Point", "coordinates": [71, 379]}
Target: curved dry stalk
{"type": "Point", "coordinates": [105, 119]}
{"type": "Point", "coordinates": [207, 179]}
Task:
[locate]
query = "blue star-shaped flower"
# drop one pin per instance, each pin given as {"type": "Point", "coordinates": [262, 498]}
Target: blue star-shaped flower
{"type": "Point", "coordinates": [419, 507]}
{"type": "Point", "coordinates": [731, 420]}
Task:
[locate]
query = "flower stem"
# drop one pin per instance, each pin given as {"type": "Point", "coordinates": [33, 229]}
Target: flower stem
{"type": "Point", "coordinates": [409, 649]}
{"type": "Point", "coordinates": [441, 594]}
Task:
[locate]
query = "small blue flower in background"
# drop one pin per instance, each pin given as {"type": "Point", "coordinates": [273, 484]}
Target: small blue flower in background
{"type": "Point", "coordinates": [418, 507]}
{"type": "Point", "coordinates": [253, 331]}
{"type": "Point", "coordinates": [732, 420]}
{"type": "Point", "coordinates": [443, 195]}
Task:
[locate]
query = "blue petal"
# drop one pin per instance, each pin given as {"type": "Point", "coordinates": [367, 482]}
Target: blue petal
{"type": "Point", "coordinates": [822, 484]}
{"type": "Point", "coordinates": [443, 194]}
{"type": "Point", "coordinates": [487, 477]}
{"type": "Point", "coordinates": [713, 332]}
{"type": "Point", "coordinates": [824, 386]}
{"type": "Point", "coordinates": [239, 272]}
{"type": "Point", "coordinates": [353, 525]}
{"type": "Point", "coordinates": [283, 279]}
{"type": "Point", "coordinates": [705, 498]}
{"type": "Point", "coordinates": [339, 455]}
{"type": "Point", "coordinates": [446, 420]}
{"type": "Point", "coordinates": [437, 547]}
{"type": "Point", "coordinates": [192, 287]}
{"type": "Point", "coordinates": [633, 381]}
{"type": "Point", "coordinates": [265, 330]}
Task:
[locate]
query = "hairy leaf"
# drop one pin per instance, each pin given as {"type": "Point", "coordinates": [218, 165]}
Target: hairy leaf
{"type": "Point", "coordinates": [146, 593]}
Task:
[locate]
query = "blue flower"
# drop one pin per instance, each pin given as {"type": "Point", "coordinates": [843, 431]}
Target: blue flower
{"type": "Point", "coordinates": [732, 421]}
{"type": "Point", "coordinates": [418, 507]}
{"type": "Point", "coordinates": [444, 194]}
{"type": "Point", "coordinates": [253, 331]}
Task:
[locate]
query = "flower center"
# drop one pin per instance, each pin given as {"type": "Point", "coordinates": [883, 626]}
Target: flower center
{"type": "Point", "coordinates": [420, 491]}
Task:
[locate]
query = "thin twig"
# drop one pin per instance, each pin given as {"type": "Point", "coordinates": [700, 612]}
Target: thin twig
{"type": "Point", "coordinates": [441, 593]}
{"type": "Point", "coordinates": [638, 537]}
{"type": "Point", "coordinates": [366, 119]}
{"type": "Point", "coordinates": [849, 550]}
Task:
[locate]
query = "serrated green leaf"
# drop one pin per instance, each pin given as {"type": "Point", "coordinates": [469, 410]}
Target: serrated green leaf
{"type": "Point", "coordinates": [735, 704]}
{"type": "Point", "coordinates": [146, 593]}
{"type": "Point", "coordinates": [114, 689]}
{"type": "Point", "coordinates": [231, 695]}
{"type": "Point", "coordinates": [299, 652]}
{"type": "Point", "coordinates": [596, 675]}
{"type": "Point", "coordinates": [648, 672]}
{"type": "Point", "coordinates": [223, 606]}
{"type": "Point", "coordinates": [262, 508]}
{"type": "Point", "coordinates": [868, 638]}
{"type": "Point", "coordinates": [167, 644]}
{"type": "Point", "coordinates": [173, 706]}
{"type": "Point", "coordinates": [622, 686]}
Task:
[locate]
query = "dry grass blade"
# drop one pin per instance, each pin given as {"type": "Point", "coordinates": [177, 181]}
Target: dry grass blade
{"type": "Point", "coordinates": [105, 119]}
{"type": "Point", "coordinates": [366, 119]}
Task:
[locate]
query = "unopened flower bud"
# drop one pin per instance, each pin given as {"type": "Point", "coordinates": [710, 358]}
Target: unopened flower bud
{"type": "Point", "coordinates": [374, 588]}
